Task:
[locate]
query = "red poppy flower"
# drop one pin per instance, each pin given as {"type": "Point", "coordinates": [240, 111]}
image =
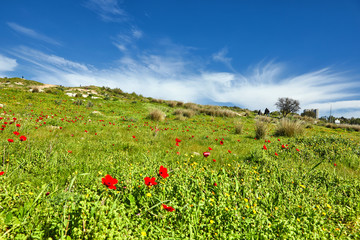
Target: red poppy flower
{"type": "Point", "coordinates": [18, 125]}
{"type": "Point", "coordinates": [69, 151]}
{"type": "Point", "coordinates": [2, 173]}
{"type": "Point", "coordinates": [47, 194]}
{"type": "Point", "coordinates": [10, 140]}
{"type": "Point", "coordinates": [215, 184]}
{"type": "Point", "coordinates": [206, 154]}
{"type": "Point", "coordinates": [335, 165]}
{"type": "Point", "coordinates": [283, 146]}
{"type": "Point", "coordinates": [298, 150]}
{"type": "Point", "coordinates": [163, 172]}
{"type": "Point", "coordinates": [278, 139]}
{"type": "Point", "coordinates": [221, 142]}
{"type": "Point", "coordinates": [178, 153]}
{"type": "Point", "coordinates": [109, 181]}
{"type": "Point", "coordinates": [177, 140]}
{"type": "Point", "coordinates": [214, 160]}
{"type": "Point", "coordinates": [150, 181]}
{"type": "Point", "coordinates": [16, 133]}
{"type": "Point", "coordinates": [229, 151]}
{"type": "Point", "coordinates": [133, 136]}
{"type": "Point", "coordinates": [177, 144]}
{"type": "Point", "coordinates": [264, 147]}
{"type": "Point", "coordinates": [210, 148]}
{"type": "Point", "coordinates": [276, 154]}
{"type": "Point", "coordinates": [168, 208]}
{"type": "Point", "coordinates": [23, 138]}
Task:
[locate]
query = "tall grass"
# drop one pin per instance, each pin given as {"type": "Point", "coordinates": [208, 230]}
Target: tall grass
{"type": "Point", "coordinates": [260, 129]}
{"type": "Point", "coordinates": [289, 128]}
{"type": "Point", "coordinates": [157, 115]}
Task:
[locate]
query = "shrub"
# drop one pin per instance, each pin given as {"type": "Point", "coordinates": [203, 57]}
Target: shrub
{"type": "Point", "coordinates": [78, 102]}
{"type": "Point", "coordinates": [260, 129]}
{"type": "Point", "coordinates": [289, 128]}
{"type": "Point", "coordinates": [78, 95]}
{"type": "Point", "coordinates": [157, 115]}
{"type": "Point", "coordinates": [238, 128]}
{"type": "Point", "coordinates": [35, 90]}
{"type": "Point", "coordinates": [172, 103]}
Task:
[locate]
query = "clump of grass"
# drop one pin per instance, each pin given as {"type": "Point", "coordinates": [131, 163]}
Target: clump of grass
{"type": "Point", "coordinates": [171, 103]}
{"type": "Point", "coordinates": [348, 127]}
{"type": "Point", "coordinates": [260, 129]}
{"type": "Point", "coordinates": [264, 119]}
{"type": "Point", "coordinates": [289, 128]}
{"type": "Point", "coordinates": [238, 128]}
{"type": "Point", "coordinates": [185, 112]}
{"type": "Point", "coordinates": [89, 104]}
{"type": "Point", "coordinates": [157, 115]}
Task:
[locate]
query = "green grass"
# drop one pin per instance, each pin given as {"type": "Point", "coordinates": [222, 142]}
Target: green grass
{"type": "Point", "coordinates": [259, 195]}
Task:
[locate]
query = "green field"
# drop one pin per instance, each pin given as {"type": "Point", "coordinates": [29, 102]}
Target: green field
{"type": "Point", "coordinates": [52, 186]}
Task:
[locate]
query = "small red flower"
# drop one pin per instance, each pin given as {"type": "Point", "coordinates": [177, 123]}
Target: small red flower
{"type": "Point", "coordinates": [221, 142]}
{"type": "Point", "coordinates": [2, 173]}
{"type": "Point", "coordinates": [206, 154]}
{"type": "Point", "coordinates": [177, 140]}
{"type": "Point", "coordinates": [163, 172]}
{"type": "Point", "coordinates": [210, 148]}
{"type": "Point", "coordinates": [16, 133]}
{"type": "Point", "coordinates": [47, 194]}
{"type": "Point", "coordinates": [229, 151]}
{"type": "Point", "coordinates": [23, 138]}
{"type": "Point", "coordinates": [264, 147]}
{"type": "Point", "coordinates": [279, 139]}
{"type": "Point", "coordinates": [10, 140]}
{"type": "Point", "coordinates": [215, 184]}
{"type": "Point", "coordinates": [177, 144]}
{"type": "Point", "coordinates": [168, 208]}
{"type": "Point", "coordinates": [214, 160]}
{"type": "Point", "coordinates": [298, 150]}
{"type": "Point", "coordinates": [276, 154]}
{"type": "Point", "coordinates": [109, 181]}
{"type": "Point", "coordinates": [335, 165]}
{"type": "Point", "coordinates": [178, 153]}
{"type": "Point", "coordinates": [69, 151]}
{"type": "Point", "coordinates": [150, 181]}
{"type": "Point", "coordinates": [283, 146]}
{"type": "Point", "coordinates": [18, 125]}
{"type": "Point", "coordinates": [133, 136]}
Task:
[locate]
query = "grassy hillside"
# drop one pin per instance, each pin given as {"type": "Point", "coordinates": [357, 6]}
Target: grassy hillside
{"type": "Point", "coordinates": [59, 144]}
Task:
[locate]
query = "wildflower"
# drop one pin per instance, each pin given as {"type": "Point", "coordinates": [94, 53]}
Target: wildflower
{"type": "Point", "coordinates": [23, 138]}
{"type": "Point", "coordinates": [221, 143]}
{"type": "Point", "coordinates": [109, 181]}
{"type": "Point", "coordinates": [10, 140]}
{"type": "Point", "coordinates": [298, 150]}
{"type": "Point", "coordinates": [168, 208]}
{"type": "Point", "coordinates": [2, 173]}
{"type": "Point", "coordinates": [335, 165]}
{"type": "Point", "coordinates": [283, 146]}
{"type": "Point", "coordinates": [150, 181]}
{"type": "Point", "coordinates": [276, 154]}
{"type": "Point", "coordinates": [215, 184]}
{"type": "Point", "coordinates": [229, 151]}
{"type": "Point", "coordinates": [210, 148]}
{"type": "Point", "coordinates": [211, 221]}
{"type": "Point", "coordinates": [16, 133]}
{"type": "Point", "coordinates": [264, 147]}
{"type": "Point", "coordinates": [18, 125]}
{"type": "Point", "coordinates": [47, 194]}
{"type": "Point", "coordinates": [143, 234]}
{"type": "Point", "coordinates": [206, 154]}
{"type": "Point", "coordinates": [177, 140]}
{"type": "Point", "coordinates": [163, 172]}
{"type": "Point", "coordinates": [69, 151]}
{"type": "Point", "coordinates": [148, 194]}
{"type": "Point", "coordinates": [214, 160]}
{"type": "Point", "coordinates": [133, 136]}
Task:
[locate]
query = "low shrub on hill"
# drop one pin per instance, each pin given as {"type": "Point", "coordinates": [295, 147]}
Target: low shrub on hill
{"type": "Point", "coordinates": [157, 115]}
{"type": "Point", "coordinates": [289, 128]}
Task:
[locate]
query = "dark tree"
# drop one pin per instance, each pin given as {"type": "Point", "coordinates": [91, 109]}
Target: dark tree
{"type": "Point", "coordinates": [287, 105]}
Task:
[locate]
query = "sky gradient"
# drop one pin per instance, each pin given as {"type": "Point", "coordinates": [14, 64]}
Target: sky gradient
{"type": "Point", "coordinates": [243, 53]}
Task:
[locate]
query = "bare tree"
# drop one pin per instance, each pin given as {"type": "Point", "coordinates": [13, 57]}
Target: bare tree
{"type": "Point", "coordinates": [287, 105]}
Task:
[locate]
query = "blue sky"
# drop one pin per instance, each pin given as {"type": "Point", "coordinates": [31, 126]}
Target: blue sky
{"type": "Point", "coordinates": [243, 53]}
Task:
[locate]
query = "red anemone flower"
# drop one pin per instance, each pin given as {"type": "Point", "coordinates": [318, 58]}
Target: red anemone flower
{"type": "Point", "coordinates": [16, 133]}
{"type": "Point", "coordinates": [168, 208]}
{"type": "Point", "coordinates": [109, 181]}
{"type": "Point", "coordinates": [229, 151]}
{"type": "Point", "coordinates": [23, 138]}
{"type": "Point", "coordinates": [215, 184]}
{"type": "Point", "coordinates": [221, 142]}
{"type": "Point", "coordinates": [10, 140]}
{"type": "Point", "coordinates": [150, 181]}
{"type": "Point", "coordinates": [283, 146]}
{"type": "Point", "coordinates": [2, 173]}
{"type": "Point", "coordinates": [276, 154]}
{"type": "Point", "coordinates": [335, 165]}
{"type": "Point", "coordinates": [214, 160]}
{"type": "Point", "coordinates": [206, 154]}
{"type": "Point", "coordinates": [264, 147]}
{"type": "Point", "coordinates": [298, 150]}
{"type": "Point", "coordinates": [177, 140]}
{"type": "Point", "coordinates": [210, 148]}
{"type": "Point", "coordinates": [18, 125]}
{"type": "Point", "coordinates": [163, 172]}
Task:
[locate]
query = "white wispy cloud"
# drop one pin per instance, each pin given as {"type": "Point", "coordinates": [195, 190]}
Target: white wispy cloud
{"type": "Point", "coordinates": [108, 10]}
{"type": "Point", "coordinates": [221, 57]}
{"type": "Point", "coordinates": [7, 64]}
{"type": "Point", "coordinates": [173, 76]}
{"type": "Point", "coordinates": [32, 33]}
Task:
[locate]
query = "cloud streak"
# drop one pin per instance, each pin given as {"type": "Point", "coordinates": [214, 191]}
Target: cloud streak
{"type": "Point", "coordinates": [31, 33]}
{"type": "Point", "coordinates": [107, 10]}
{"type": "Point", "coordinates": [7, 64]}
{"type": "Point", "coordinates": [170, 77]}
